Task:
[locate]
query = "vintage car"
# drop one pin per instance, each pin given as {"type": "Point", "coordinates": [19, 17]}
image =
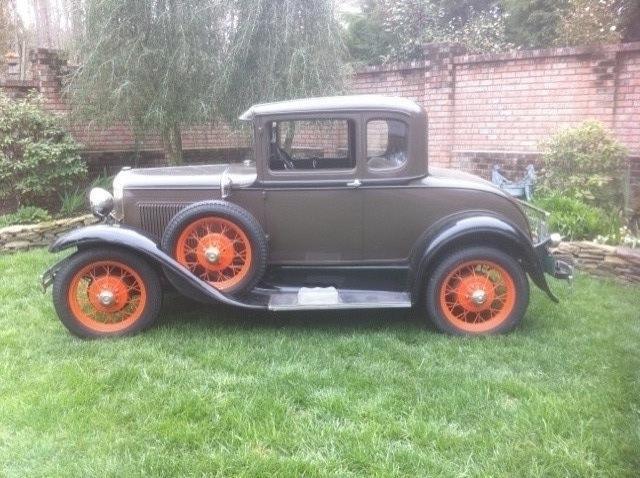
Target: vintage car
{"type": "Point", "coordinates": [336, 209]}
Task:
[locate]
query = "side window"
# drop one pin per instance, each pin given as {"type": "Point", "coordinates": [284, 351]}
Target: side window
{"type": "Point", "coordinates": [386, 144]}
{"type": "Point", "coordinates": [311, 144]}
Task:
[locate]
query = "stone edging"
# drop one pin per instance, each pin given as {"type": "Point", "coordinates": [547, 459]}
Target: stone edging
{"type": "Point", "coordinates": [619, 263]}
{"type": "Point", "coordinates": [25, 237]}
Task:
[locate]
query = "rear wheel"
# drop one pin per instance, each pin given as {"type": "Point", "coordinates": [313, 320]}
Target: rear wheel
{"type": "Point", "coordinates": [107, 292]}
{"type": "Point", "coordinates": [477, 291]}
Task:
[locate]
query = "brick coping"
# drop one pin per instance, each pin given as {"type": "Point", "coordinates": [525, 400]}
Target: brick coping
{"type": "Point", "coordinates": [507, 56]}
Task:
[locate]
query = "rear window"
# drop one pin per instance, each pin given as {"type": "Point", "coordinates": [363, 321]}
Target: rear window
{"type": "Point", "coordinates": [386, 144]}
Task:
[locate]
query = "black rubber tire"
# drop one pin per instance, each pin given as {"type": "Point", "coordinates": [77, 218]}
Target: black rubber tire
{"type": "Point", "coordinates": [232, 212]}
{"type": "Point", "coordinates": [80, 259]}
{"type": "Point", "coordinates": [450, 262]}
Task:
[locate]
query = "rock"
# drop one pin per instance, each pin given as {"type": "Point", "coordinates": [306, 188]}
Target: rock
{"type": "Point", "coordinates": [630, 255]}
{"type": "Point", "coordinates": [615, 260]}
{"type": "Point", "coordinates": [17, 245]}
{"type": "Point", "coordinates": [12, 229]}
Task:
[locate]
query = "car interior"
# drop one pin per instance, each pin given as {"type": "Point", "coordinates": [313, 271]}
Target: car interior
{"type": "Point", "coordinates": [330, 144]}
{"type": "Point", "coordinates": [312, 144]}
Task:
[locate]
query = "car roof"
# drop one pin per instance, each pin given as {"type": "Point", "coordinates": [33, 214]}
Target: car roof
{"type": "Point", "coordinates": [335, 103]}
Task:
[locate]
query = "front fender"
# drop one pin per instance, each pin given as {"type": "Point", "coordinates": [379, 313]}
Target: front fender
{"type": "Point", "coordinates": [475, 229]}
{"type": "Point", "coordinates": [126, 238]}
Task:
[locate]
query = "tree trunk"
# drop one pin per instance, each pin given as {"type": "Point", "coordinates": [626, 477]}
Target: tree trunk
{"type": "Point", "coordinates": [42, 12]}
{"type": "Point", "coordinates": [288, 139]}
{"type": "Point", "coordinates": [172, 143]}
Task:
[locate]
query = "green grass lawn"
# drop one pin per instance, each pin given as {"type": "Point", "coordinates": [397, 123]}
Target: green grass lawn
{"type": "Point", "coordinates": [223, 392]}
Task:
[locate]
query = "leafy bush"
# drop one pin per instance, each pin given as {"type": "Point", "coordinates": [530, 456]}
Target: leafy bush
{"type": "Point", "coordinates": [576, 220]}
{"type": "Point", "coordinates": [104, 181]}
{"type": "Point", "coordinates": [586, 163]}
{"type": "Point", "coordinates": [37, 157]}
{"type": "Point", "coordinates": [25, 215]}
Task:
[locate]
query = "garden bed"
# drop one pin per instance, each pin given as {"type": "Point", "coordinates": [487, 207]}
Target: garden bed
{"type": "Point", "coordinates": [619, 263]}
{"type": "Point", "coordinates": [22, 237]}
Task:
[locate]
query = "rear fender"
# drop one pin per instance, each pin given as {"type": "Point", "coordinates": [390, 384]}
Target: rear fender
{"type": "Point", "coordinates": [457, 232]}
{"type": "Point", "coordinates": [130, 239]}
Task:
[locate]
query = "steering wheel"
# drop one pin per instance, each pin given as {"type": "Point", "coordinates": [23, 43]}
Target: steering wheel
{"type": "Point", "coordinates": [285, 158]}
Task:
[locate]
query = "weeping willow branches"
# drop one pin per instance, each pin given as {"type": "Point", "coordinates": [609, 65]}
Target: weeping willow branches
{"type": "Point", "coordinates": [163, 64]}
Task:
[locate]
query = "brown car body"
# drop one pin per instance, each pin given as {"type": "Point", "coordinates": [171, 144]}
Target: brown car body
{"type": "Point", "coordinates": [314, 217]}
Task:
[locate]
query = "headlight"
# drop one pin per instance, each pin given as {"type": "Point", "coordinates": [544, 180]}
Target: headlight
{"type": "Point", "coordinates": [101, 202]}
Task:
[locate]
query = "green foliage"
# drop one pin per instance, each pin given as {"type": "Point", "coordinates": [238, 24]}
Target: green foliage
{"type": "Point", "coordinates": [588, 22]}
{"type": "Point", "coordinates": [104, 181]}
{"type": "Point", "coordinates": [279, 50]}
{"type": "Point", "coordinates": [366, 41]}
{"type": "Point", "coordinates": [533, 23]}
{"type": "Point", "coordinates": [38, 157]}
{"type": "Point", "coordinates": [484, 32]}
{"type": "Point", "coordinates": [586, 163]}
{"type": "Point", "coordinates": [72, 202]}
{"type": "Point", "coordinates": [150, 64]}
{"type": "Point", "coordinates": [630, 21]}
{"type": "Point", "coordinates": [404, 26]}
{"type": "Point", "coordinates": [162, 65]}
{"type": "Point", "coordinates": [412, 24]}
{"type": "Point", "coordinates": [25, 215]}
{"type": "Point", "coordinates": [575, 219]}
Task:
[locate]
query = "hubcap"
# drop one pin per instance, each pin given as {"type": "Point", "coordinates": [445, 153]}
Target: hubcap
{"type": "Point", "coordinates": [479, 296]}
{"type": "Point", "coordinates": [106, 297]}
{"type": "Point", "coordinates": [212, 254]}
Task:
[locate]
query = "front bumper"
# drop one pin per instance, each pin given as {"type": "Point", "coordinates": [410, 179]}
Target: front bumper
{"type": "Point", "coordinates": [47, 277]}
{"type": "Point", "coordinates": [555, 266]}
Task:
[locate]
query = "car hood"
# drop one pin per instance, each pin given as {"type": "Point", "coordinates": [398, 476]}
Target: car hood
{"type": "Point", "coordinates": [197, 176]}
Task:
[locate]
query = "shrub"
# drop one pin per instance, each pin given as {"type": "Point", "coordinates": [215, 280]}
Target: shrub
{"type": "Point", "coordinates": [72, 202]}
{"type": "Point", "coordinates": [104, 181]}
{"type": "Point", "coordinates": [37, 157]}
{"type": "Point", "coordinates": [25, 215]}
{"type": "Point", "coordinates": [576, 220]}
{"type": "Point", "coordinates": [586, 163]}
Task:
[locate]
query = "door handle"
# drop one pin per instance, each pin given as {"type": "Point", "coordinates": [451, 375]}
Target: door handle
{"type": "Point", "coordinates": [356, 183]}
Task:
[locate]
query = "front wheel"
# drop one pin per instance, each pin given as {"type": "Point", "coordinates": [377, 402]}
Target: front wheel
{"type": "Point", "coordinates": [477, 291]}
{"type": "Point", "coordinates": [106, 292]}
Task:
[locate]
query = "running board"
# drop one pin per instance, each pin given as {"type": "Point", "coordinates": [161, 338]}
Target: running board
{"type": "Point", "coordinates": [323, 298]}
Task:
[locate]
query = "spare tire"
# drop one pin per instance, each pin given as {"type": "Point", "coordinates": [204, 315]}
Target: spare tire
{"type": "Point", "coordinates": [220, 243]}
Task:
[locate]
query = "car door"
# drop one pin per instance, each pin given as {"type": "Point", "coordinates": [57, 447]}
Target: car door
{"type": "Point", "coordinates": [313, 207]}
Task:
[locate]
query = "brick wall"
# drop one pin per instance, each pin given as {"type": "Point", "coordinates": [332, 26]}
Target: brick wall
{"type": "Point", "coordinates": [482, 108]}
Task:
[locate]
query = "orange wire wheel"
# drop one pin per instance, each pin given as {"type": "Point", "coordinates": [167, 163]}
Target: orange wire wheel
{"type": "Point", "coordinates": [216, 250]}
{"type": "Point", "coordinates": [477, 296]}
{"type": "Point", "coordinates": [107, 296]}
